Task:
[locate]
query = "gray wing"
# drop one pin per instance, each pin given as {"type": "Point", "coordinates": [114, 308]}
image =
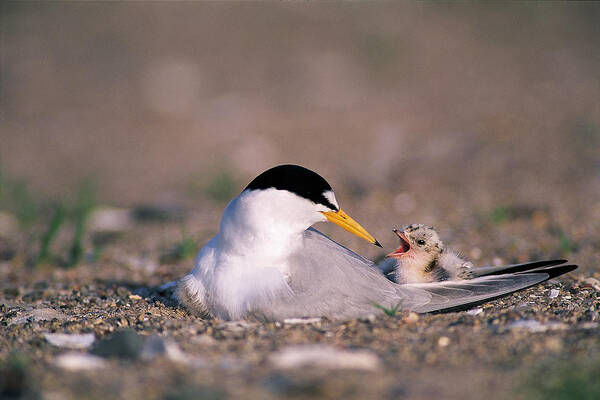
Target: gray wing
{"type": "Point", "coordinates": [327, 279]}
{"type": "Point", "coordinates": [457, 295]}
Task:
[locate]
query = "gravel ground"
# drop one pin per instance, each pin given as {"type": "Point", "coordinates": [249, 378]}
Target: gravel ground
{"type": "Point", "coordinates": [143, 345]}
{"type": "Point", "coordinates": [481, 121]}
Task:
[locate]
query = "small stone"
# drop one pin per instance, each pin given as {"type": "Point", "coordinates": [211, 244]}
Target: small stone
{"type": "Point", "coordinates": [370, 318]}
{"type": "Point", "coordinates": [156, 346]}
{"type": "Point", "coordinates": [176, 355]}
{"type": "Point", "coordinates": [536, 326]}
{"type": "Point", "coordinates": [301, 321]}
{"type": "Point", "coordinates": [40, 314]}
{"type": "Point", "coordinates": [475, 311]}
{"type": "Point", "coordinates": [443, 341]}
{"type": "Point", "coordinates": [475, 253]}
{"type": "Point", "coordinates": [411, 318]}
{"type": "Point", "coordinates": [110, 219]}
{"type": "Point", "coordinates": [204, 340]}
{"type": "Point", "coordinates": [72, 341]}
{"type": "Point", "coordinates": [134, 297]}
{"type": "Point", "coordinates": [125, 344]}
{"type": "Point", "coordinates": [154, 312]}
{"type": "Point", "coordinates": [12, 292]}
{"type": "Point", "coordinates": [235, 326]}
{"type": "Point", "coordinates": [153, 346]}
{"type": "Point", "coordinates": [74, 361]}
{"type": "Point", "coordinates": [593, 282]}
{"type": "Point", "coordinates": [497, 261]}
{"type": "Point", "coordinates": [554, 293]}
{"type": "Point", "coordinates": [324, 356]}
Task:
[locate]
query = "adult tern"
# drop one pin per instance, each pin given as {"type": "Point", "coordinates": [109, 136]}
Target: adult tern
{"type": "Point", "coordinates": [267, 262]}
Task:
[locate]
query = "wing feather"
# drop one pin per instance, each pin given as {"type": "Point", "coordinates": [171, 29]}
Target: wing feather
{"type": "Point", "coordinates": [513, 268]}
{"type": "Point", "coordinates": [327, 279]}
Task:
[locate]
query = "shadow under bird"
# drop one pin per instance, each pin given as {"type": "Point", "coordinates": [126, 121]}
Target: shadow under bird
{"type": "Point", "coordinates": [267, 262]}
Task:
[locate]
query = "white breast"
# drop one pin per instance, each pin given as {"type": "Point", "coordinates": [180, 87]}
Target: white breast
{"type": "Point", "coordinates": [247, 263]}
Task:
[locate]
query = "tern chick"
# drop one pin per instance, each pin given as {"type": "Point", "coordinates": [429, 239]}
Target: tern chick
{"type": "Point", "coordinates": [423, 258]}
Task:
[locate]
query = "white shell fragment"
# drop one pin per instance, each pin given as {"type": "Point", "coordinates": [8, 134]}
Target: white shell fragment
{"type": "Point", "coordinates": [74, 361]}
{"type": "Point", "coordinates": [71, 341]}
{"type": "Point", "coordinates": [301, 321]}
{"type": "Point", "coordinates": [532, 325]}
{"type": "Point", "coordinates": [324, 356]}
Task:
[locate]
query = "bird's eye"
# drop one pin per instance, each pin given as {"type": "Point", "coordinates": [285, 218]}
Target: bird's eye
{"type": "Point", "coordinates": [420, 242]}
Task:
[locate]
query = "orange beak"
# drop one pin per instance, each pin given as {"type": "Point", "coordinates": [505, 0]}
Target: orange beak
{"type": "Point", "coordinates": [343, 220]}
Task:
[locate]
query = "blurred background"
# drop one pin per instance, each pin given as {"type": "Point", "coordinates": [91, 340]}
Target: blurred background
{"type": "Point", "coordinates": [462, 116]}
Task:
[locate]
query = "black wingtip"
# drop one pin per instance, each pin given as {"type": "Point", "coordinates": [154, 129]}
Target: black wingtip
{"type": "Point", "coordinates": [558, 271]}
{"type": "Point", "coordinates": [516, 268]}
{"type": "Point", "coordinates": [378, 244]}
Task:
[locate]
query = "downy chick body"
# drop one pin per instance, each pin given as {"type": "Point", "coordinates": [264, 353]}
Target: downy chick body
{"type": "Point", "coordinates": [422, 257]}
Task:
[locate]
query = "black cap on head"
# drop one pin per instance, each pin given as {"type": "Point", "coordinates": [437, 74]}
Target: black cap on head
{"type": "Point", "coordinates": [296, 179]}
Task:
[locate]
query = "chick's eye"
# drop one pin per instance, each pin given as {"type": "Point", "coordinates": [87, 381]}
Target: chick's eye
{"type": "Point", "coordinates": [420, 242]}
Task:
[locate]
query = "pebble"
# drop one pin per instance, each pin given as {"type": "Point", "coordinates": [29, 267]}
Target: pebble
{"type": "Point", "coordinates": [204, 340]}
{"type": "Point", "coordinates": [443, 341]}
{"type": "Point", "coordinates": [110, 219]}
{"type": "Point", "coordinates": [554, 293]}
{"type": "Point", "coordinates": [157, 346]}
{"type": "Point", "coordinates": [411, 318]}
{"type": "Point", "coordinates": [301, 321]}
{"type": "Point", "coordinates": [475, 311]}
{"type": "Point", "coordinates": [39, 314]}
{"type": "Point", "coordinates": [71, 341]}
{"type": "Point", "coordinates": [235, 326]}
{"type": "Point", "coordinates": [125, 344]}
{"type": "Point", "coordinates": [324, 356]}
{"type": "Point", "coordinates": [476, 253]}
{"type": "Point", "coordinates": [532, 325]}
{"type": "Point", "coordinates": [593, 282]}
{"type": "Point", "coordinates": [497, 261]}
{"type": "Point", "coordinates": [74, 361]}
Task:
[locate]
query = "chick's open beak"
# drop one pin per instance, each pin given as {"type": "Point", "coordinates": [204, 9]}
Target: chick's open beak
{"type": "Point", "coordinates": [404, 245]}
{"type": "Point", "coordinates": [342, 219]}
